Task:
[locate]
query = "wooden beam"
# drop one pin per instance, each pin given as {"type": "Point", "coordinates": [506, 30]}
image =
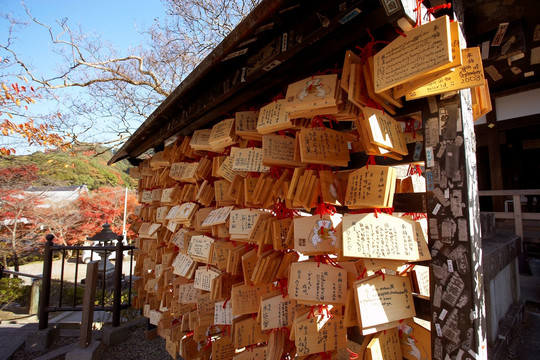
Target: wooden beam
{"type": "Point", "coordinates": [88, 304]}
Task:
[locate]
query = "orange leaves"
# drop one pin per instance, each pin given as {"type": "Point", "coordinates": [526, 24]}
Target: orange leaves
{"type": "Point", "coordinates": [41, 135]}
{"type": "Point", "coordinates": [6, 151]}
{"type": "Point", "coordinates": [35, 134]}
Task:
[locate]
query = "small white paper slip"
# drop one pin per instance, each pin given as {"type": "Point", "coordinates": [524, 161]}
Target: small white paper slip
{"type": "Point", "coordinates": [443, 314]}
{"type": "Point", "coordinates": [439, 331]}
{"type": "Point", "coordinates": [436, 209]}
{"type": "Point", "coordinates": [450, 265]}
{"type": "Point", "coordinates": [429, 156]}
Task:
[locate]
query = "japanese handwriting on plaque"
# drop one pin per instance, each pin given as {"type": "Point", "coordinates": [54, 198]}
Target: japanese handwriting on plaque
{"type": "Point", "coordinates": [188, 294]}
{"type": "Point", "coordinates": [273, 117]}
{"type": "Point", "coordinates": [276, 311]}
{"type": "Point", "coordinates": [385, 346]}
{"type": "Point", "coordinates": [249, 159]}
{"type": "Point", "coordinates": [204, 277]}
{"type": "Point", "coordinates": [200, 248]}
{"type": "Point", "coordinates": [246, 331]}
{"type": "Point", "coordinates": [183, 265]}
{"type": "Point", "coordinates": [371, 187]}
{"type": "Point", "coordinates": [314, 283]}
{"type": "Point", "coordinates": [383, 299]}
{"type": "Point", "coordinates": [256, 353]}
{"type": "Point", "coordinates": [223, 313]}
{"type": "Point", "coordinates": [218, 216]}
{"type": "Point", "coordinates": [223, 348]}
{"type": "Point", "coordinates": [319, 334]}
{"type": "Point", "coordinates": [278, 150]}
{"type": "Point", "coordinates": [383, 237]}
{"type": "Point", "coordinates": [246, 299]}
{"type": "Point", "coordinates": [425, 48]}
{"type": "Point", "coordinates": [324, 146]}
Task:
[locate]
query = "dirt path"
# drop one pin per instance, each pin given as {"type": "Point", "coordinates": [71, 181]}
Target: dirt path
{"type": "Point", "coordinates": [69, 270]}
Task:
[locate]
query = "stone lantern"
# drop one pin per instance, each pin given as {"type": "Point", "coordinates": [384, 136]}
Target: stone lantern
{"type": "Point", "coordinates": [104, 238]}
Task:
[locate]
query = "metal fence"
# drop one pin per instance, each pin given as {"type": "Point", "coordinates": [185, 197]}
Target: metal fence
{"type": "Point", "coordinates": [45, 306]}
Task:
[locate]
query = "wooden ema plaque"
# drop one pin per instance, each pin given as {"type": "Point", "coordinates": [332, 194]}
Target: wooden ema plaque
{"type": "Point", "coordinates": [313, 92]}
{"type": "Point", "coordinates": [319, 333]}
{"type": "Point", "coordinates": [247, 331]}
{"type": "Point", "coordinates": [313, 283]}
{"type": "Point", "coordinates": [315, 235]}
{"type": "Point", "coordinates": [223, 348]}
{"type": "Point", "coordinates": [403, 89]}
{"type": "Point", "coordinates": [371, 187]}
{"type": "Point", "coordinates": [278, 150]}
{"type": "Point", "coordinates": [218, 216]}
{"type": "Point", "coordinates": [222, 134]}
{"type": "Point", "coordinates": [385, 346]}
{"type": "Point", "coordinates": [468, 75]}
{"type": "Point", "coordinates": [246, 299]}
{"type": "Point", "coordinates": [273, 117]}
{"type": "Point", "coordinates": [249, 160]}
{"type": "Point", "coordinates": [384, 131]}
{"type": "Point", "coordinates": [184, 265]}
{"type": "Point", "coordinates": [323, 146]}
{"type": "Point", "coordinates": [383, 236]}
{"type": "Point", "coordinates": [223, 313]}
{"type": "Point", "coordinates": [256, 353]}
{"type": "Point", "coordinates": [425, 48]}
{"type": "Point", "coordinates": [383, 299]}
{"type": "Point", "coordinates": [199, 140]}
{"type": "Point", "coordinates": [200, 248]}
{"type": "Point", "coordinates": [246, 124]}
{"type": "Point", "coordinates": [415, 340]}
{"type": "Point", "coordinates": [276, 311]}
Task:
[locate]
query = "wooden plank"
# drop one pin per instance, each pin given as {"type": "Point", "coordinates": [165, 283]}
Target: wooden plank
{"type": "Point", "coordinates": [510, 215]}
{"type": "Point", "coordinates": [509, 192]}
{"type": "Point", "coordinates": [88, 304]}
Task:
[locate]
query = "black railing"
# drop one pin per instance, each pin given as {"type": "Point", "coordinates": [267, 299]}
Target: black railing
{"type": "Point", "coordinates": [117, 305]}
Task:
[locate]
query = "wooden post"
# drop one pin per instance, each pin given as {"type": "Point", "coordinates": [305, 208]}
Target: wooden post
{"type": "Point", "coordinates": [117, 300]}
{"type": "Point", "coordinates": [34, 297]}
{"type": "Point", "coordinates": [457, 293]}
{"type": "Point", "coordinates": [88, 304]}
{"type": "Point", "coordinates": [518, 218]}
{"type": "Point", "coordinates": [46, 283]}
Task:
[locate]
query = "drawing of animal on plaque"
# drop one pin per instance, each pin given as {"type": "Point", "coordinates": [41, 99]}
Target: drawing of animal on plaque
{"type": "Point", "coordinates": [323, 231]}
{"type": "Point", "coordinates": [415, 341]}
{"type": "Point", "coordinates": [313, 87]}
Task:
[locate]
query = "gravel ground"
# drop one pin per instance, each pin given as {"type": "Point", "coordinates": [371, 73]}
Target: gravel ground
{"type": "Point", "coordinates": [138, 347]}
{"type": "Point", "coordinates": [135, 347]}
{"type": "Point", "coordinates": [61, 342]}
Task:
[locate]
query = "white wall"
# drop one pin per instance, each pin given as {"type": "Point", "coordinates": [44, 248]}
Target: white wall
{"type": "Point", "coordinates": [517, 105]}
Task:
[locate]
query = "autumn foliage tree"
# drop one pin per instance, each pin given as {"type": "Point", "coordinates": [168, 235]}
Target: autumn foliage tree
{"type": "Point", "coordinates": [105, 205]}
{"type": "Point", "coordinates": [14, 101]}
{"type": "Point", "coordinates": [19, 223]}
{"type": "Point", "coordinates": [122, 88]}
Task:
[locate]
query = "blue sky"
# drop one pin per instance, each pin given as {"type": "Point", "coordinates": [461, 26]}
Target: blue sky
{"type": "Point", "coordinates": [117, 21]}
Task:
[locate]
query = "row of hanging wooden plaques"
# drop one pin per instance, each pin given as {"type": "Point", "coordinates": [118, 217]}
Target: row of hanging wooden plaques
{"type": "Point", "coordinates": [230, 267]}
